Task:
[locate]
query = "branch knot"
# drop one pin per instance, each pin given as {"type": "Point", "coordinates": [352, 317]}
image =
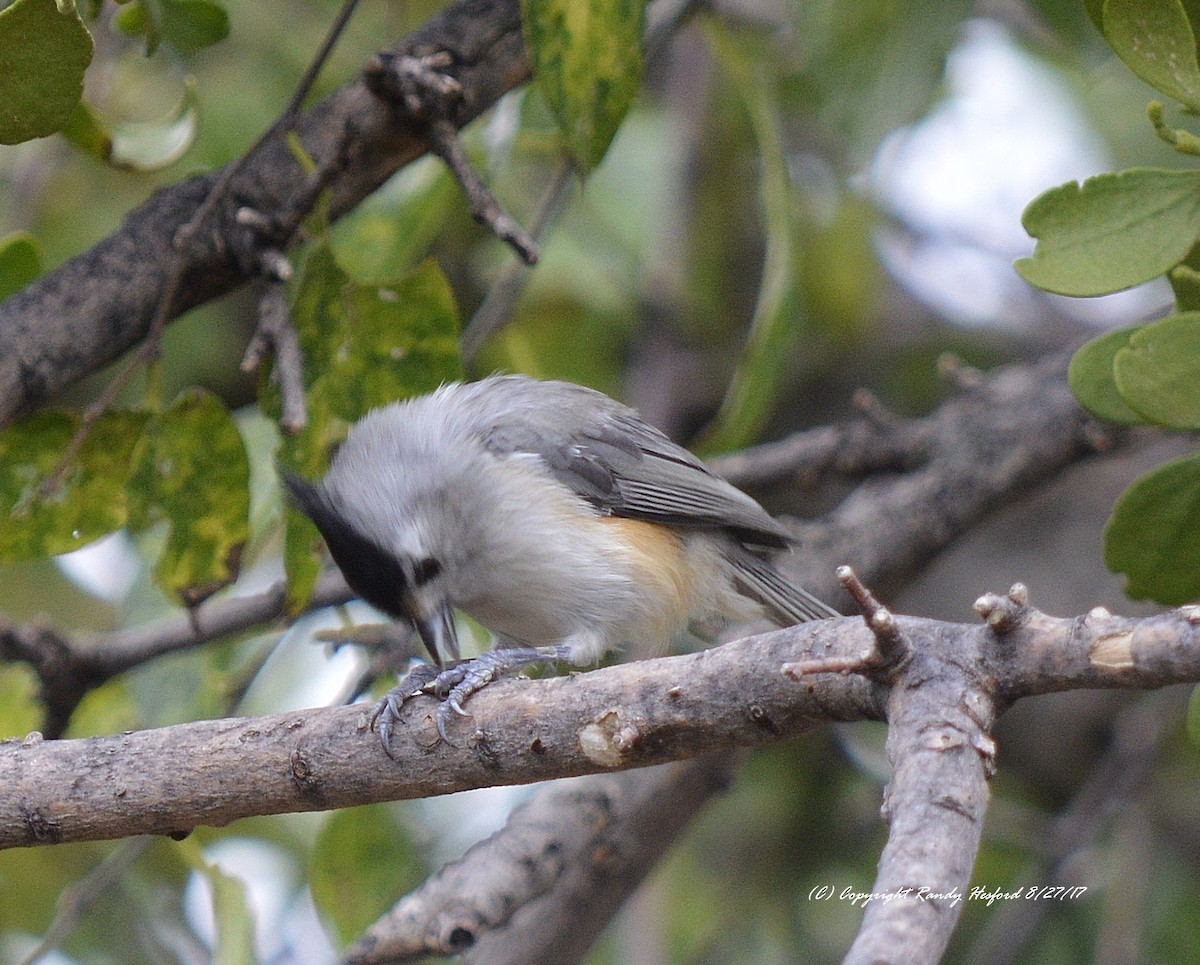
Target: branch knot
{"type": "Point", "coordinates": [1004, 614]}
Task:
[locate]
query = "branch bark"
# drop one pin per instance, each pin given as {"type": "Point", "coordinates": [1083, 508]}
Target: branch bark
{"type": "Point", "coordinates": [986, 446]}
{"type": "Point", "coordinates": [556, 855]}
{"type": "Point", "coordinates": [68, 667]}
{"type": "Point", "coordinates": [616, 718]}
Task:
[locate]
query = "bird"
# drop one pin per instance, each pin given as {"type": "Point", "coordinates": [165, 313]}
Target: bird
{"type": "Point", "coordinates": [551, 514]}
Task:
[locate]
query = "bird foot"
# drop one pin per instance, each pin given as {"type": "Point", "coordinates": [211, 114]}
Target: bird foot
{"type": "Point", "coordinates": [452, 686]}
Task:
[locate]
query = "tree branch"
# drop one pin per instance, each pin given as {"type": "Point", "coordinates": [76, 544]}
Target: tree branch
{"type": "Point", "coordinates": [68, 667]}
{"type": "Point", "coordinates": [940, 706]}
{"type": "Point", "coordinates": [619, 717]}
{"type": "Point", "coordinates": [616, 718]}
{"type": "Point", "coordinates": [557, 854]}
{"type": "Point", "coordinates": [79, 317]}
{"type": "Point", "coordinates": [984, 447]}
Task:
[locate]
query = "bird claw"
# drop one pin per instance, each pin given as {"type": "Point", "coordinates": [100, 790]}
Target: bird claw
{"type": "Point", "coordinates": [453, 685]}
{"type": "Point", "coordinates": [416, 682]}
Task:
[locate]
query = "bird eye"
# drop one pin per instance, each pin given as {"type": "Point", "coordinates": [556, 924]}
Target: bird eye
{"type": "Point", "coordinates": [425, 570]}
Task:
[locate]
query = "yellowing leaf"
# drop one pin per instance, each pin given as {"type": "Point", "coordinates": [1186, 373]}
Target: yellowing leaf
{"type": "Point", "coordinates": [194, 474]}
{"type": "Point", "coordinates": [587, 62]}
{"type": "Point", "coordinates": [364, 346]}
{"type": "Point", "coordinates": [90, 502]}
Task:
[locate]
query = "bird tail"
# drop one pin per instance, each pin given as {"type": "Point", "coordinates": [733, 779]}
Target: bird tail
{"type": "Point", "coordinates": [784, 602]}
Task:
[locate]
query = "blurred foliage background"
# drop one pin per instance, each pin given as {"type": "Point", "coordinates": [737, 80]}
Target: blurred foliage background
{"type": "Point", "coordinates": [909, 137]}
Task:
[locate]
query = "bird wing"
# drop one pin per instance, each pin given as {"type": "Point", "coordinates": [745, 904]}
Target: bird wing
{"type": "Point", "coordinates": [605, 453]}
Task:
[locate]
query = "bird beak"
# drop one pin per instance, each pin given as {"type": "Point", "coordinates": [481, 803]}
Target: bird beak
{"type": "Point", "coordinates": [438, 633]}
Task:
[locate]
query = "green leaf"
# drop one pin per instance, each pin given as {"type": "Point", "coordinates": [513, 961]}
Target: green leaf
{"type": "Point", "coordinates": [750, 397]}
{"type": "Point", "coordinates": [233, 922]}
{"type": "Point", "coordinates": [87, 131]}
{"type": "Point", "coordinates": [1157, 43]}
{"type": "Point", "coordinates": [43, 54]}
{"type": "Point", "coordinates": [1090, 376]}
{"type": "Point", "coordinates": [191, 25]}
{"type": "Point", "coordinates": [1158, 371]}
{"type": "Point", "coordinates": [20, 262]}
{"type": "Point", "coordinates": [1185, 281]}
{"type": "Point", "coordinates": [134, 20]}
{"type": "Point", "coordinates": [153, 145]}
{"type": "Point", "coordinates": [187, 25]}
{"type": "Point", "coordinates": [20, 711]}
{"type": "Point", "coordinates": [1153, 536]}
{"type": "Point", "coordinates": [1113, 232]}
{"type": "Point", "coordinates": [301, 562]}
{"type": "Point", "coordinates": [90, 503]}
{"type": "Point", "coordinates": [136, 145]}
{"type": "Point", "coordinates": [361, 863]}
{"type": "Point", "coordinates": [364, 346]}
{"type": "Point", "coordinates": [394, 228]}
{"type": "Point", "coordinates": [193, 473]}
{"type": "Point", "coordinates": [587, 62]}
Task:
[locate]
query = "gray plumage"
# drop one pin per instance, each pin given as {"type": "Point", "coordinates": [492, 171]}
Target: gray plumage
{"type": "Point", "coordinates": [506, 499]}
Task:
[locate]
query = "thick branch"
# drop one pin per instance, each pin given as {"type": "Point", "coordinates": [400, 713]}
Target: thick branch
{"type": "Point", "coordinates": [942, 755]}
{"type": "Point", "coordinates": [90, 310]}
{"type": "Point", "coordinates": [559, 852]}
{"type": "Point", "coordinates": [620, 717]}
{"type": "Point", "coordinates": [986, 446]}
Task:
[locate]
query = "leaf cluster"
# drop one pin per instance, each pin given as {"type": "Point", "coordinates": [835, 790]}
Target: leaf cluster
{"type": "Point", "coordinates": [1122, 229]}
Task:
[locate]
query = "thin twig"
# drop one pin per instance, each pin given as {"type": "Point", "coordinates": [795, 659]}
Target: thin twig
{"type": "Point", "coordinates": [276, 333]}
{"type": "Point", "coordinates": [421, 87]}
{"type": "Point", "coordinates": [151, 347]}
{"type": "Point", "coordinates": [446, 144]}
{"type": "Point", "coordinates": [68, 667]}
{"type": "Point", "coordinates": [76, 899]}
{"type": "Point", "coordinates": [891, 651]}
{"type": "Point", "coordinates": [496, 308]}
{"type": "Point", "coordinates": [318, 62]}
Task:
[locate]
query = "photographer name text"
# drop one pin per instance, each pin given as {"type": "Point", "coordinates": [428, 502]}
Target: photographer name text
{"type": "Point", "coordinates": [988, 896]}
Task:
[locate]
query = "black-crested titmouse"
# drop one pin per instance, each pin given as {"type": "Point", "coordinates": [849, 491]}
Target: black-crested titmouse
{"type": "Point", "coordinates": [551, 514]}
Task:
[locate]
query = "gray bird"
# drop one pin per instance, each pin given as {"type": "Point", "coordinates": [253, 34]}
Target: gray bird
{"type": "Point", "coordinates": [551, 514]}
